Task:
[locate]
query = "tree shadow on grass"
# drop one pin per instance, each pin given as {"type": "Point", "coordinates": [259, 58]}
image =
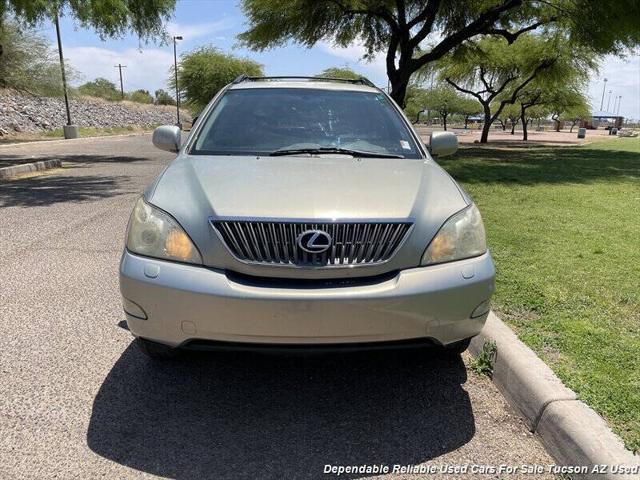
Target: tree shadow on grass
{"type": "Point", "coordinates": [45, 190]}
{"type": "Point", "coordinates": [529, 166]}
{"type": "Point", "coordinates": [250, 415]}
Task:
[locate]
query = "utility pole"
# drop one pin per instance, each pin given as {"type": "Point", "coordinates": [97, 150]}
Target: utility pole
{"type": "Point", "coordinates": [69, 130]}
{"type": "Point", "coordinates": [603, 89]}
{"type": "Point", "coordinates": [175, 69]}
{"type": "Point", "coordinates": [120, 67]}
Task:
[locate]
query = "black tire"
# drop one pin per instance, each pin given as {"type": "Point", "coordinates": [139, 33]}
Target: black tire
{"type": "Point", "coordinates": [156, 350]}
{"type": "Point", "coordinates": [457, 348]}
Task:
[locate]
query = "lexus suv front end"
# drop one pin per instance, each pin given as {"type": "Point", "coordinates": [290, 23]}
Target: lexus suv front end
{"type": "Point", "coordinates": [304, 212]}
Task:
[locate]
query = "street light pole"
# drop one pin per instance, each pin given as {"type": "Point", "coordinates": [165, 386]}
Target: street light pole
{"type": "Point", "coordinates": [70, 131]}
{"type": "Point", "coordinates": [603, 89]}
{"type": "Point", "coordinates": [175, 69]}
{"type": "Point", "coordinates": [609, 100]}
{"type": "Point", "coordinates": [64, 78]}
{"type": "Point", "coordinates": [120, 67]}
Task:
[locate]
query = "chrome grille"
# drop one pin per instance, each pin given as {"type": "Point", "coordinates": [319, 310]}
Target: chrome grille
{"type": "Point", "coordinates": [276, 242]}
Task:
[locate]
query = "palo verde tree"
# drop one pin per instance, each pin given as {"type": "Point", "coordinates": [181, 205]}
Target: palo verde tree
{"type": "Point", "coordinates": [576, 114]}
{"type": "Point", "coordinates": [28, 63]}
{"type": "Point", "coordinates": [205, 70]}
{"type": "Point", "coordinates": [494, 72]}
{"type": "Point", "coordinates": [162, 97]}
{"type": "Point", "coordinates": [561, 101]}
{"type": "Point", "coordinates": [559, 89]}
{"type": "Point", "coordinates": [101, 88]}
{"type": "Point", "coordinates": [339, 72]}
{"type": "Point", "coordinates": [414, 33]}
{"type": "Point", "coordinates": [109, 19]}
{"type": "Point", "coordinates": [444, 101]}
{"type": "Point", "coordinates": [467, 108]}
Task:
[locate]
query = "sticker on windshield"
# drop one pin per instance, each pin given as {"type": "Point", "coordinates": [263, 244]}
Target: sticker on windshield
{"type": "Point", "coordinates": [405, 145]}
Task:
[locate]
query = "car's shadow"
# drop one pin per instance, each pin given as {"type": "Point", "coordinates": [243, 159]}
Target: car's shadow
{"type": "Point", "coordinates": [251, 415]}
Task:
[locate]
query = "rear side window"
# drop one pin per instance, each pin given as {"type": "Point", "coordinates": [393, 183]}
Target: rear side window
{"type": "Point", "coordinates": [259, 121]}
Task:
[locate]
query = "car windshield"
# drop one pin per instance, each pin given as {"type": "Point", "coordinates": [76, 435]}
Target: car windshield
{"type": "Point", "coordinates": [261, 121]}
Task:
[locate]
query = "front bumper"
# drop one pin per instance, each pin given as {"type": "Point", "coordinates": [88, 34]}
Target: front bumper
{"type": "Point", "coordinates": [183, 303]}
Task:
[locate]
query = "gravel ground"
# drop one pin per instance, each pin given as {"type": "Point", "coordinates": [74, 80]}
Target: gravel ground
{"type": "Point", "coordinates": [77, 399]}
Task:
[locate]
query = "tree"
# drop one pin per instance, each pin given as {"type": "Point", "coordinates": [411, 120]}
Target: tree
{"type": "Point", "coordinates": [509, 115]}
{"type": "Point", "coordinates": [109, 19]}
{"type": "Point", "coordinates": [28, 62]}
{"type": "Point", "coordinates": [416, 102]}
{"type": "Point", "coordinates": [445, 101]}
{"type": "Point", "coordinates": [339, 72]}
{"type": "Point", "coordinates": [162, 97]}
{"type": "Point", "coordinates": [140, 96]}
{"type": "Point", "coordinates": [494, 72]}
{"type": "Point", "coordinates": [468, 107]}
{"type": "Point", "coordinates": [561, 101]}
{"type": "Point", "coordinates": [402, 28]}
{"type": "Point", "coordinates": [204, 71]}
{"type": "Point", "coordinates": [576, 114]}
{"type": "Point", "coordinates": [101, 88]}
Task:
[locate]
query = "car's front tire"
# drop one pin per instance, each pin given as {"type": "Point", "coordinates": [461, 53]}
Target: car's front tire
{"type": "Point", "coordinates": [156, 351]}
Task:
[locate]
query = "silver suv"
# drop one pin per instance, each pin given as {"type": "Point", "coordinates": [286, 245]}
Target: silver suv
{"type": "Point", "coordinates": [304, 211]}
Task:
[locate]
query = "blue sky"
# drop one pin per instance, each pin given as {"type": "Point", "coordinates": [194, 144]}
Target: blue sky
{"type": "Point", "coordinates": [217, 22]}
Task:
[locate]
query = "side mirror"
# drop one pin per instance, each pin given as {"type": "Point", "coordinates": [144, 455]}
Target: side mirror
{"type": "Point", "coordinates": [442, 144]}
{"type": "Point", "coordinates": [167, 137]}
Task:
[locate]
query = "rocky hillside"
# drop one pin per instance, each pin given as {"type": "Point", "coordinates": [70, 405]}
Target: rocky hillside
{"type": "Point", "coordinates": [21, 113]}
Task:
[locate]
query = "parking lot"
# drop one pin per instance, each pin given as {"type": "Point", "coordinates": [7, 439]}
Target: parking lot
{"type": "Point", "coordinates": [77, 399]}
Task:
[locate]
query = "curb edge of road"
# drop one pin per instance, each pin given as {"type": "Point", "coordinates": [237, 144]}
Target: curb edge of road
{"type": "Point", "coordinates": [68, 140]}
{"type": "Point", "coordinates": [12, 171]}
{"type": "Point", "coordinates": [571, 432]}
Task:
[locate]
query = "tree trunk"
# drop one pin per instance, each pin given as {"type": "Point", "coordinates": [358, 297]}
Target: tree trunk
{"type": "Point", "coordinates": [513, 127]}
{"type": "Point", "coordinates": [487, 124]}
{"type": "Point", "coordinates": [525, 123]}
{"type": "Point", "coordinates": [573, 124]}
{"type": "Point", "coordinates": [399, 84]}
{"type": "Point", "coordinates": [466, 121]}
{"type": "Point", "coordinates": [444, 122]}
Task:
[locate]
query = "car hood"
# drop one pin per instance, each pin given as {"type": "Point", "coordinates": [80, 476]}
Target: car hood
{"type": "Point", "coordinates": [326, 187]}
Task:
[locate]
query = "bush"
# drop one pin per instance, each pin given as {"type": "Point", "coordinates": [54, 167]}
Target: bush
{"type": "Point", "coordinates": [140, 96]}
{"type": "Point", "coordinates": [204, 71]}
{"type": "Point", "coordinates": [164, 98]}
{"type": "Point", "coordinates": [101, 88]}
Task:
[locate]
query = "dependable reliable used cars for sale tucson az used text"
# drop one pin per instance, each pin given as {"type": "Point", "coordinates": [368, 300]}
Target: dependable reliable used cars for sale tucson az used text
{"type": "Point", "coordinates": [306, 212]}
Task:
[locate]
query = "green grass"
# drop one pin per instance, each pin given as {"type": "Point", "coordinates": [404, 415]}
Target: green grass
{"type": "Point", "coordinates": [563, 226]}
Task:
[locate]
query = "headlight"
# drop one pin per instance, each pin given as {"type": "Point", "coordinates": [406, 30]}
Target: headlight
{"type": "Point", "coordinates": [461, 236]}
{"type": "Point", "coordinates": [153, 233]}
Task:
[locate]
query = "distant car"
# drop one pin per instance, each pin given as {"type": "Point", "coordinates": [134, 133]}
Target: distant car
{"type": "Point", "coordinates": [304, 212]}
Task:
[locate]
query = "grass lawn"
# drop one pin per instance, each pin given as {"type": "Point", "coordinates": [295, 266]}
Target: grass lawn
{"type": "Point", "coordinates": [563, 226]}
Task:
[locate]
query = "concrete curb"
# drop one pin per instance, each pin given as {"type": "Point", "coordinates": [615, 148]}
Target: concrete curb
{"type": "Point", "coordinates": [8, 172]}
{"type": "Point", "coordinates": [67, 140]}
{"type": "Point", "coordinates": [572, 433]}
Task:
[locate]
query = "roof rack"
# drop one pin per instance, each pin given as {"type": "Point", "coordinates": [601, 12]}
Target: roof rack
{"type": "Point", "coordinates": [360, 80]}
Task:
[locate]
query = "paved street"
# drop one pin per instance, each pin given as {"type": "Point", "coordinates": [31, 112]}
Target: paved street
{"type": "Point", "coordinates": [77, 399]}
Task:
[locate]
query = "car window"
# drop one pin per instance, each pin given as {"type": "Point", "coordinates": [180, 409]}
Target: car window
{"type": "Point", "coordinates": [259, 121]}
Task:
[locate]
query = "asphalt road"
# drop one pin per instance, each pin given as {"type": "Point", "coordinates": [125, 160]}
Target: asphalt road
{"type": "Point", "coordinates": [77, 399]}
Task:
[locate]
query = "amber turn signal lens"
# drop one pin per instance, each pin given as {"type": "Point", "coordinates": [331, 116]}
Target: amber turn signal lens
{"type": "Point", "coordinates": [178, 245]}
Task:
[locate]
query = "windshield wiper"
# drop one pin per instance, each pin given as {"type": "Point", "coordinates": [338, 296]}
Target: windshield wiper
{"type": "Point", "coordinates": [346, 151]}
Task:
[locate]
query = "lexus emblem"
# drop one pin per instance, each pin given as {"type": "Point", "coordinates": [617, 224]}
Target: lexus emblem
{"type": "Point", "coordinates": [314, 241]}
